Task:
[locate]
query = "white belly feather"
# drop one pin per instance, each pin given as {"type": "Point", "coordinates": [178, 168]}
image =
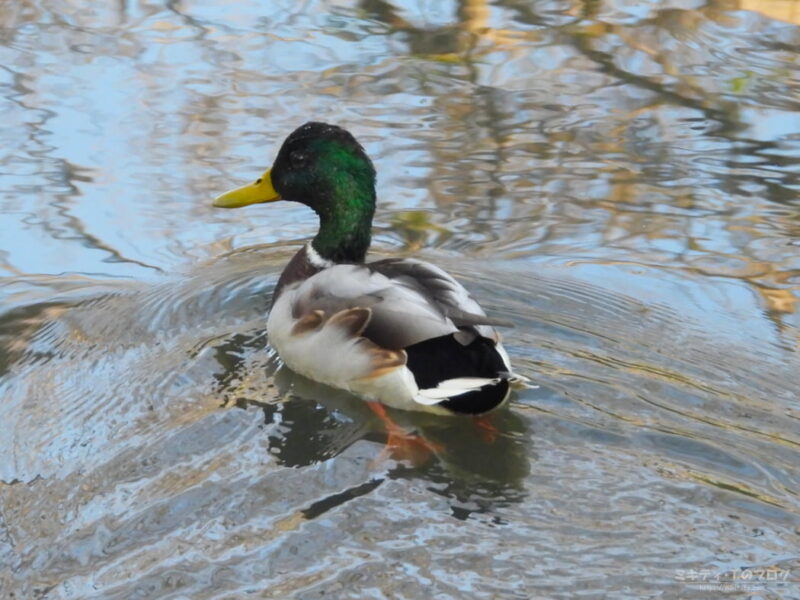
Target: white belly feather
{"type": "Point", "coordinates": [332, 355]}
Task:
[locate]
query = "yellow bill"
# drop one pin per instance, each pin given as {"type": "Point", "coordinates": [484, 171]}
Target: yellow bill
{"type": "Point", "coordinates": [253, 193]}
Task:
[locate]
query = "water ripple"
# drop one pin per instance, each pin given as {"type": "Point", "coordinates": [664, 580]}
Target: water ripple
{"type": "Point", "coordinates": [618, 178]}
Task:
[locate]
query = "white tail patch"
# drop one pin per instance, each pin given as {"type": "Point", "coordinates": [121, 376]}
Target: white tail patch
{"type": "Point", "coordinates": [453, 387]}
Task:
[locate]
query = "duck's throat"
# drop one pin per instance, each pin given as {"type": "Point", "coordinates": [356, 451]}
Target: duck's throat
{"type": "Point", "coordinates": [344, 233]}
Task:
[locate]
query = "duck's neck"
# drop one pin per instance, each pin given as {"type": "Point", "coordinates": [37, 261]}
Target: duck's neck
{"type": "Point", "coordinates": [344, 230]}
{"type": "Point", "coordinates": [344, 236]}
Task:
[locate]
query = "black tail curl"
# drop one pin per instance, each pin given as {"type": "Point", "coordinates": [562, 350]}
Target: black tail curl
{"type": "Point", "coordinates": [442, 358]}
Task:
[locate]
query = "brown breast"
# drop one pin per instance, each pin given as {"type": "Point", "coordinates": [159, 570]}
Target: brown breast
{"type": "Point", "coordinates": [298, 269]}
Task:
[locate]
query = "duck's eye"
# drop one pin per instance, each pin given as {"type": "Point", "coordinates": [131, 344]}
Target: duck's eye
{"type": "Point", "coordinates": [258, 181]}
{"type": "Point", "coordinates": [298, 158]}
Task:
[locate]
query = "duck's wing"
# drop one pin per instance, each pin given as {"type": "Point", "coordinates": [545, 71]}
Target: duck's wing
{"type": "Point", "coordinates": [439, 289]}
{"type": "Point", "coordinates": [410, 301]}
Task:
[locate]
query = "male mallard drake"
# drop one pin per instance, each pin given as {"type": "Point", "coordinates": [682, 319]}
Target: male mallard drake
{"type": "Point", "coordinates": [399, 331]}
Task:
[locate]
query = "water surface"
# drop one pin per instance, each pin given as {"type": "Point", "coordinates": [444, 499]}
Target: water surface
{"type": "Point", "coordinates": [619, 178]}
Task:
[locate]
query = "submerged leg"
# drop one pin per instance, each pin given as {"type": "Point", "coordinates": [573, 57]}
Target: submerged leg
{"type": "Point", "coordinates": [400, 444]}
{"type": "Point", "coordinates": [486, 429]}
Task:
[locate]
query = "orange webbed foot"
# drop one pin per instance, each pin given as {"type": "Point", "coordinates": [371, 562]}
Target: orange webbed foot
{"type": "Point", "coordinates": [402, 445]}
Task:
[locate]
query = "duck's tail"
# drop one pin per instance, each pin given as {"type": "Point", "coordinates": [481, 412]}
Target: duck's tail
{"type": "Point", "coordinates": [472, 378]}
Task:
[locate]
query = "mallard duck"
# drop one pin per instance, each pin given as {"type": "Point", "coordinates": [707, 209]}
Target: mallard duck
{"type": "Point", "coordinates": [401, 332]}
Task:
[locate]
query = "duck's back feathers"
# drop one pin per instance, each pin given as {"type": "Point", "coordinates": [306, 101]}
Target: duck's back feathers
{"type": "Point", "coordinates": [401, 331]}
{"type": "Point", "coordinates": [439, 289]}
{"type": "Point", "coordinates": [411, 301]}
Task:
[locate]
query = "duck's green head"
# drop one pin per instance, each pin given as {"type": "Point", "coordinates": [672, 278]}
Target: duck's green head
{"type": "Point", "coordinates": [325, 168]}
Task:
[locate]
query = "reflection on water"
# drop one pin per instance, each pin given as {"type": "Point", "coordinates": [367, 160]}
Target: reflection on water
{"type": "Point", "coordinates": [619, 178]}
